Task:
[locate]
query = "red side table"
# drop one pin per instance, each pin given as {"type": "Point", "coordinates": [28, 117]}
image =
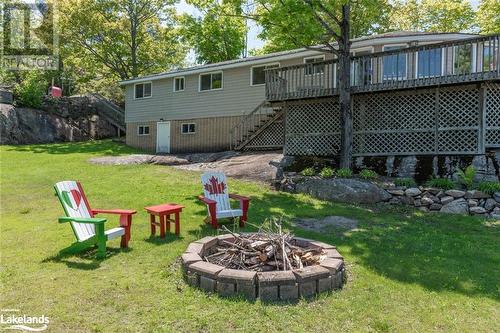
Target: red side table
{"type": "Point", "coordinates": [164, 211]}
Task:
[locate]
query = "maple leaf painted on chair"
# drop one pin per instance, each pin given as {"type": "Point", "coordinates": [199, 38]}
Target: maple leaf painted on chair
{"type": "Point", "coordinates": [216, 197]}
{"type": "Point", "coordinates": [214, 187]}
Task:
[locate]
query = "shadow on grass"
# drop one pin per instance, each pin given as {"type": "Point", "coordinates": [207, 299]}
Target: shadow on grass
{"type": "Point", "coordinates": [439, 252]}
{"type": "Point", "coordinates": [104, 147]}
{"type": "Point", "coordinates": [157, 240]}
{"type": "Point", "coordinates": [83, 258]}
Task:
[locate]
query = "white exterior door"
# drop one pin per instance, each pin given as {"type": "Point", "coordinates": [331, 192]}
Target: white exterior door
{"type": "Point", "coordinates": [163, 137]}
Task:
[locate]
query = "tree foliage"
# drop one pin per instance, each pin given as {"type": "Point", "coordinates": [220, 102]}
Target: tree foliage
{"type": "Point", "coordinates": [488, 16]}
{"type": "Point", "coordinates": [432, 16]}
{"type": "Point", "coordinates": [218, 34]}
{"type": "Point", "coordinates": [288, 24]}
{"type": "Point", "coordinates": [104, 41]}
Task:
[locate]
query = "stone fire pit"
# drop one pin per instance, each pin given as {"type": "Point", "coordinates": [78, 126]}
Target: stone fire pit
{"type": "Point", "coordinates": [267, 286]}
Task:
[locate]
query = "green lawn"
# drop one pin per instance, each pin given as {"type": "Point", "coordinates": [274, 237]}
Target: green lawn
{"type": "Point", "coordinates": [408, 271]}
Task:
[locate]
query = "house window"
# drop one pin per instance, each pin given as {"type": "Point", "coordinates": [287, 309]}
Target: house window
{"type": "Point", "coordinates": [490, 58]}
{"type": "Point", "coordinates": [394, 66]}
{"type": "Point", "coordinates": [211, 81]}
{"type": "Point", "coordinates": [361, 68]}
{"type": "Point", "coordinates": [462, 59]}
{"type": "Point", "coordinates": [143, 130]}
{"type": "Point", "coordinates": [143, 90]}
{"type": "Point", "coordinates": [429, 63]}
{"type": "Point", "coordinates": [314, 68]}
{"type": "Point", "coordinates": [179, 83]}
{"type": "Point", "coordinates": [258, 74]}
{"type": "Point", "coordinates": [189, 128]}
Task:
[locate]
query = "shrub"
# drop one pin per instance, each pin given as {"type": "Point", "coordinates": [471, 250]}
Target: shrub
{"type": "Point", "coordinates": [489, 187]}
{"type": "Point", "coordinates": [308, 172]}
{"type": "Point", "coordinates": [344, 173]}
{"type": "Point", "coordinates": [368, 174]}
{"type": "Point", "coordinates": [30, 91]}
{"type": "Point", "coordinates": [466, 177]}
{"type": "Point", "coordinates": [408, 182]}
{"type": "Point", "coordinates": [327, 172]}
{"type": "Point", "coordinates": [442, 183]}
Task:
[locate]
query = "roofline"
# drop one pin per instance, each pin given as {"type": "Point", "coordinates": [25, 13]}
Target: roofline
{"type": "Point", "coordinates": [295, 53]}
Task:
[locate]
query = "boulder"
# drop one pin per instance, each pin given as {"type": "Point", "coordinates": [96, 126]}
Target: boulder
{"type": "Point", "coordinates": [407, 167]}
{"type": "Point", "coordinates": [477, 210]}
{"type": "Point", "coordinates": [396, 192]}
{"type": "Point", "coordinates": [426, 201]}
{"type": "Point", "coordinates": [455, 193]}
{"type": "Point", "coordinates": [435, 206]}
{"type": "Point", "coordinates": [412, 191]}
{"type": "Point", "coordinates": [485, 168]}
{"type": "Point", "coordinates": [458, 206]}
{"type": "Point", "coordinates": [476, 195]}
{"type": "Point", "coordinates": [446, 199]}
{"type": "Point", "coordinates": [496, 196]}
{"type": "Point", "coordinates": [490, 204]}
{"type": "Point", "coordinates": [472, 202]}
{"type": "Point", "coordinates": [343, 190]}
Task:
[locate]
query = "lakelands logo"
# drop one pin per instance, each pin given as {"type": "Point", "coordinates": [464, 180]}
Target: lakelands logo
{"type": "Point", "coordinates": [29, 37]}
{"type": "Point", "coordinates": [12, 319]}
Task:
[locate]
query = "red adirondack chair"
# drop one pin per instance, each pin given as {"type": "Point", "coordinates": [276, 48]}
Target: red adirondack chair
{"type": "Point", "coordinates": [216, 197]}
{"type": "Point", "coordinates": [87, 228]}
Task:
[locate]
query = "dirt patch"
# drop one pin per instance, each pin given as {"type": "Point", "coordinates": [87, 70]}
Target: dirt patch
{"type": "Point", "coordinates": [326, 223]}
{"type": "Point", "coordinates": [252, 166]}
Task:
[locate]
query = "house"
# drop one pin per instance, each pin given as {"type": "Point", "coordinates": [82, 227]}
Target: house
{"type": "Point", "coordinates": [413, 93]}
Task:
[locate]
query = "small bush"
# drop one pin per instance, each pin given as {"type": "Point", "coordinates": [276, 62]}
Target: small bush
{"type": "Point", "coordinates": [408, 182]}
{"type": "Point", "coordinates": [368, 174]}
{"type": "Point", "coordinates": [344, 173]}
{"type": "Point", "coordinates": [466, 177]}
{"type": "Point", "coordinates": [489, 187]}
{"type": "Point", "coordinates": [30, 91]}
{"type": "Point", "coordinates": [308, 172]}
{"type": "Point", "coordinates": [442, 183]}
{"type": "Point", "coordinates": [327, 172]}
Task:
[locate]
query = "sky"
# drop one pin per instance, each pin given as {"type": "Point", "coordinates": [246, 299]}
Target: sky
{"type": "Point", "coordinates": [253, 40]}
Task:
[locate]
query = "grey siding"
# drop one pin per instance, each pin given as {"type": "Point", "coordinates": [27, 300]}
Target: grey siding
{"type": "Point", "coordinates": [236, 98]}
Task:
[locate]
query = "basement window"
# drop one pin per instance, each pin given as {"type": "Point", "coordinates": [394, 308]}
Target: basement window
{"type": "Point", "coordinates": [189, 128]}
{"type": "Point", "coordinates": [143, 90]}
{"type": "Point", "coordinates": [142, 130]}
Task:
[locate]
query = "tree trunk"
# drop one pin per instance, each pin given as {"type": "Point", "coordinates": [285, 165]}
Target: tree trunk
{"type": "Point", "coordinates": [346, 126]}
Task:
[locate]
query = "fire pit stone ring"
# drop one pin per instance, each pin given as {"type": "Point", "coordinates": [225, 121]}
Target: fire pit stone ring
{"type": "Point", "coordinates": [277, 285]}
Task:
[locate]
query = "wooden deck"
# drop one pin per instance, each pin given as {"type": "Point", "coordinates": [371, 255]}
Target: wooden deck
{"type": "Point", "coordinates": [455, 62]}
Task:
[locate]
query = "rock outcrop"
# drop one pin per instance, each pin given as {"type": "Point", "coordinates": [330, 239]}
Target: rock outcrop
{"type": "Point", "coordinates": [29, 126]}
{"type": "Point", "coordinates": [343, 190]}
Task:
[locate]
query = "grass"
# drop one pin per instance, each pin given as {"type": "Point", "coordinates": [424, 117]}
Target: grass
{"type": "Point", "coordinates": [408, 271]}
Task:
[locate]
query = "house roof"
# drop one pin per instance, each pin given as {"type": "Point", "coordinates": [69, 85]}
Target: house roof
{"type": "Point", "coordinates": [389, 37]}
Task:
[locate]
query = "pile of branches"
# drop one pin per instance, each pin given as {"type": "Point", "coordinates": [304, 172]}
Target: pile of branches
{"type": "Point", "coordinates": [269, 249]}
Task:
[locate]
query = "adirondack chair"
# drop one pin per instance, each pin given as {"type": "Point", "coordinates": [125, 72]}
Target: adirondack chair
{"type": "Point", "coordinates": [216, 197]}
{"type": "Point", "coordinates": [88, 229]}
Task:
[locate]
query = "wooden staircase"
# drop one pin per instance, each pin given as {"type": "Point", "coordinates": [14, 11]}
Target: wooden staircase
{"type": "Point", "coordinates": [109, 111]}
{"type": "Point", "coordinates": [261, 129]}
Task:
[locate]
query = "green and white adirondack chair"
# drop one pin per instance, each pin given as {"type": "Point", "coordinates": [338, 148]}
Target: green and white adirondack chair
{"type": "Point", "coordinates": [88, 229]}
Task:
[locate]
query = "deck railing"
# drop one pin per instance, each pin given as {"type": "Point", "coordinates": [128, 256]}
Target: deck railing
{"type": "Point", "coordinates": [468, 60]}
